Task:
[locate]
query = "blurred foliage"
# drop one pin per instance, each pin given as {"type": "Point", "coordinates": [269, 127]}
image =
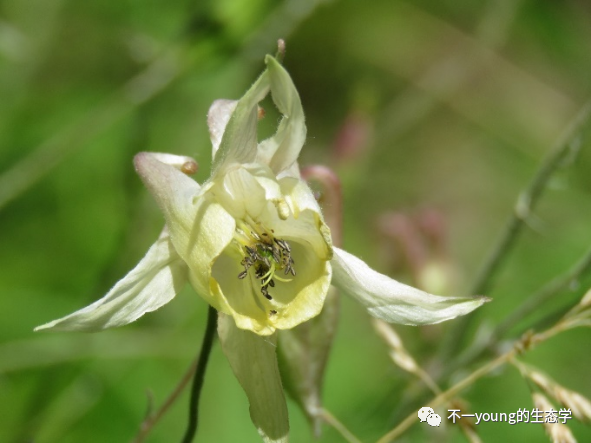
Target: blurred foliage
{"type": "Point", "coordinates": [446, 105]}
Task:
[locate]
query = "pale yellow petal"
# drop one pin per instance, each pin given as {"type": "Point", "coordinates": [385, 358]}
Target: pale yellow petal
{"type": "Point", "coordinates": [245, 302]}
{"type": "Point", "coordinates": [303, 297]}
{"type": "Point", "coordinates": [239, 192]}
{"type": "Point", "coordinates": [200, 228]}
{"type": "Point", "coordinates": [254, 362]}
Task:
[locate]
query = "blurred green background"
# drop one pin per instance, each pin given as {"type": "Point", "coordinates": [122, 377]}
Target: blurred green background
{"type": "Point", "coordinates": [444, 108]}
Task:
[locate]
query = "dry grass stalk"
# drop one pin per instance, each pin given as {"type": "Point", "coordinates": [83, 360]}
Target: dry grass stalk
{"type": "Point", "coordinates": [401, 356]}
{"type": "Point", "coordinates": [398, 352]}
{"type": "Point", "coordinates": [579, 405]}
{"type": "Point", "coordinates": [557, 432]}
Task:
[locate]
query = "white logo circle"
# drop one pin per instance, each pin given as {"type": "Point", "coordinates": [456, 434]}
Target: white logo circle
{"type": "Point", "coordinates": [424, 413]}
{"type": "Point", "coordinates": [434, 419]}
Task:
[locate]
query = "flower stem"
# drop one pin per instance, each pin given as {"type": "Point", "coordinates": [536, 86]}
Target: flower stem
{"type": "Point", "coordinates": [530, 305]}
{"type": "Point", "coordinates": [528, 198]}
{"type": "Point", "coordinates": [556, 285]}
{"type": "Point", "coordinates": [338, 426]}
{"type": "Point", "coordinates": [525, 204]}
{"type": "Point", "coordinates": [206, 346]}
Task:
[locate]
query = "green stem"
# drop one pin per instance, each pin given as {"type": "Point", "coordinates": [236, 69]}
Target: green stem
{"type": "Point", "coordinates": [530, 305]}
{"type": "Point", "coordinates": [544, 294]}
{"type": "Point", "coordinates": [206, 346]}
{"type": "Point", "coordinates": [478, 349]}
{"type": "Point", "coordinates": [523, 207]}
{"type": "Point", "coordinates": [338, 426]}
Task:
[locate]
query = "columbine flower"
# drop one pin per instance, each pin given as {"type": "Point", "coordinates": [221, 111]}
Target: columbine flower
{"type": "Point", "coordinates": [253, 243]}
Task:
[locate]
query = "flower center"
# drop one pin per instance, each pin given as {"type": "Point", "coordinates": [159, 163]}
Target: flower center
{"type": "Point", "coordinates": [266, 254]}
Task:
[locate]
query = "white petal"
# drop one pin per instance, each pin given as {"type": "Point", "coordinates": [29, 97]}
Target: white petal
{"type": "Point", "coordinates": [239, 141]}
{"type": "Point", "coordinates": [212, 230]}
{"type": "Point", "coordinates": [157, 278]}
{"type": "Point", "coordinates": [266, 179]}
{"type": "Point", "coordinates": [392, 301]}
{"type": "Point", "coordinates": [218, 116]}
{"type": "Point", "coordinates": [298, 196]}
{"type": "Point", "coordinates": [292, 171]}
{"type": "Point", "coordinates": [245, 189]}
{"type": "Point", "coordinates": [254, 362]}
{"type": "Point", "coordinates": [173, 191]}
{"type": "Point", "coordinates": [283, 149]}
{"type": "Point", "coordinates": [200, 228]}
{"type": "Point", "coordinates": [310, 286]}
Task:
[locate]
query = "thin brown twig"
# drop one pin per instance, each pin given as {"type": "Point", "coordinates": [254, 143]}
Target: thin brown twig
{"type": "Point", "coordinates": [448, 395]}
{"type": "Point", "coordinates": [521, 346]}
{"type": "Point", "coordinates": [152, 419]}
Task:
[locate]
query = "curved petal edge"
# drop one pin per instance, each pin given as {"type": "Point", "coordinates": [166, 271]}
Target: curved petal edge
{"type": "Point", "coordinates": [392, 301]}
{"type": "Point", "coordinates": [157, 278]}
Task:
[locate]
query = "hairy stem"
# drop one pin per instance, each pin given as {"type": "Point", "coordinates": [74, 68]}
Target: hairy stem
{"type": "Point", "coordinates": [206, 346]}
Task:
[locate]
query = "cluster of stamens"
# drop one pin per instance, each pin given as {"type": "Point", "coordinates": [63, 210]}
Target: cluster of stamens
{"type": "Point", "coordinates": [267, 254]}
